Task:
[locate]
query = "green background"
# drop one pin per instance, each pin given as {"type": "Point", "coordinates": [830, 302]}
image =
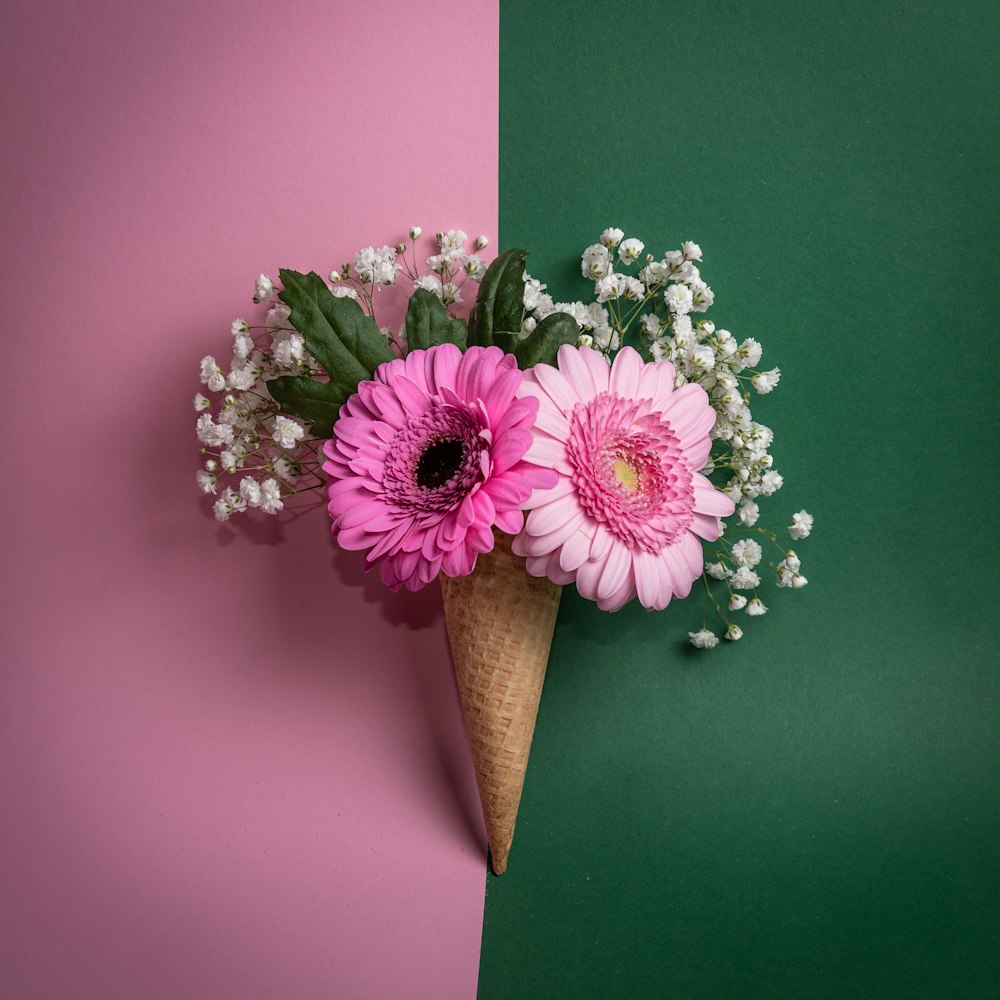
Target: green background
{"type": "Point", "coordinates": [814, 811]}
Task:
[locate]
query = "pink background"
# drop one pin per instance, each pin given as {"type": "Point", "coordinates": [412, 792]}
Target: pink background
{"type": "Point", "coordinates": [229, 766]}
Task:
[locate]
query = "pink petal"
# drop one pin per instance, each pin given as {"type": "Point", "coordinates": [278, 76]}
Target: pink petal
{"type": "Point", "coordinates": [458, 562]}
{"type": "Point", "coordinates": [506, 454]}
{"type": "Point", "coordinates": [697, 452]}
{"type": "Point", "coordinates": [549, 454]}
{"type": "Point", "coordinates": [687, 407]}
{"type": "Point", "coordinates": [353, 430]}
{"type": "Point", "coordinates": [693, 554]}
{"type": "Point", "coordinates": [646, 568]}
{"type": "Point", "coordinates": [510, 521]}
{"type": "Point", "coordinates": [539, 566]}
{"type": "Point", "coordinates": [415, 368]}
{"type": "Point", "coordinates": [625, 373]}
{"type": "Point", "coordinates": [521, 412]}
{"type": "Point", "coordinates": [480, 537]}
{"type": "Point", "coordinates": [500, 393]}
{"type": "Point", "coordinates": [484, 507]}
{"type": "Point", "coordinates": [354, 539]}
{"type": "Point", "coordinates": [555, 573]}
{"type": "Point", "coordinates": [551, 421]}
{"type": "Point", "coordinates": [413, 399]}
{"type": "Point", "coordinates": [537, 545]}
{"type": "Point", "coordinates": [539, 497]}
{"type": "Point", "coordinates": [466, 513]}
{"type": "Point", "coordinates": [390, 370]}
{"type": "Point", "coordinates": [705, 527]}
{"type": "Point", "coordinates": [442, 366]}
{"type": "Point", "coordinates": [680, 576]}
{"type": "Point", "coordinates": [600, 370]}
{"type": "Point", "coordinates": [389, 407]}
{"type": "Point", "coordinates": [651, 384]}
{"type": "Point", "coordinates": [574, 551]}
{"type": "Point", "coordinates": [504, 493]}
{"type": "Point", "coordinates": [709, 500]}
{"type": "Point", "coordinates": [577, 371]}
{"type": "Point", "coordinates": [548, 518]}
{"type": "Point", "coordinates": [538, 477]}
{"type": "Point", "coordinates": [619, 598]}
{"type": "Point", "coordinates": [557, 387]}
{"type": "Point", "coordinates": [617, 568]}
{"type": "Point", "coordinates": [519, 545]}
{"type": "Point", "coordinates": [602, 542]}
{"type": "Point", "coordinates": [588, 577]}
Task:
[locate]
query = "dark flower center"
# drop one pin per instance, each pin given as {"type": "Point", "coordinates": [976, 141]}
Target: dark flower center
{"type": "Point", "coordinates": [439, 462]}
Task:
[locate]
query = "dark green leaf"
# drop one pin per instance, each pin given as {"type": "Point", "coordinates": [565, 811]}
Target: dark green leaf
{"type": "Point", "coordinates": [317, 402]}
{"type": "Point", "coordinates": [428, 323]}
{"type": "Point", "coordinates": [337, 333]}
{"type": "Point", "coordinates": [500, 302]}
{"type": "Point", "coordinates": [542, 344]}
{"type": "Point", "coordinates": [507, 342]}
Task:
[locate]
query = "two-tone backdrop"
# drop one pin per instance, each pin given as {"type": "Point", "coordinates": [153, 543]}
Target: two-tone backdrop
{"type": "Point", "coordinates": [230, 766]}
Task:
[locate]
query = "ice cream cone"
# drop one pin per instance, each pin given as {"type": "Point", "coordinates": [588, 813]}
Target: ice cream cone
{"type": "Point", "coordinates": [500, 622]}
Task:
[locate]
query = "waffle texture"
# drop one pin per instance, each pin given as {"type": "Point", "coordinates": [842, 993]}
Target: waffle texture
{"type": "Point", "coordinates": [500, 622]}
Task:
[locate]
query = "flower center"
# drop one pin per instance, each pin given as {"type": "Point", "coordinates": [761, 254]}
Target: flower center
{"type": "Point", "coordinates": [439, 462]}
{"type": "Point", "coordinates": [433, 462]}
{"type": "Point", "coordinates": [629, 470]}
{"type": "Point", "coordinates": [626, 473]}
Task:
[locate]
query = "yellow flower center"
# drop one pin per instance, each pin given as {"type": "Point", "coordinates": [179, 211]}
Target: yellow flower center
{"type": "Point", "coordinates": [626, 474]}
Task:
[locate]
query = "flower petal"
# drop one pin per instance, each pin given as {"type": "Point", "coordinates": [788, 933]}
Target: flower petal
{"type": "Point", "coordinates": [617, 568]}
{"type": "Point", "coordinates": [625, 373]}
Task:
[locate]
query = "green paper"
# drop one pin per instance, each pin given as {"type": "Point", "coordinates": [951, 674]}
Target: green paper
{"type": "Point", "coordinates": [812, 812]}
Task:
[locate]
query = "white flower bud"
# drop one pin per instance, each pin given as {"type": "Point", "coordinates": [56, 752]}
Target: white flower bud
{"type": "Point", "coordinates": [415, 232]}
{"type": "Point", "coordinates": [733, 633]}
{"type": "Point", "coordinates": [482, 242]}
{"type": "Point", "coordinates": [703, 639]}
{"type": "Point", "coordinates": [264, 289]}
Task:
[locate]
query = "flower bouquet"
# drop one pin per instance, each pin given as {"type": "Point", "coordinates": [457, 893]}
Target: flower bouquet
{"type": "Point", "coordinates": [535, 445]}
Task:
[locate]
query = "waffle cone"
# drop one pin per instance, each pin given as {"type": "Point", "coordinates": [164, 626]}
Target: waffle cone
{"type": "Point", "coordinates": [500, 622]}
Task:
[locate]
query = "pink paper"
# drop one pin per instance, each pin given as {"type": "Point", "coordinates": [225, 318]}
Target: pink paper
{"type": "Point", "coordinates": [232, 766]}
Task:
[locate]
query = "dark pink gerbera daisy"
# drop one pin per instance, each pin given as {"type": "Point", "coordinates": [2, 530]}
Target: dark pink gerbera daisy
{"type": "Point", "coordinates": [427, 458]}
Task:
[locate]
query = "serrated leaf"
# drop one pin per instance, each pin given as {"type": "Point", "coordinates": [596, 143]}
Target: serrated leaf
{"type": "Point", "coordinates": [428, 323]}
{"type": "Point", "coordinates": [337, 333]}
{"type": "Point", "coordinates": [313, 401]}
{"type": "Point", "coordinates": [543, 343]}
{"type": "Point", "coordinates": [500, 302]}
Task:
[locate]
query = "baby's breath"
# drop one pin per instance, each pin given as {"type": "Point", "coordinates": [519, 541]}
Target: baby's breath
{"type": "Point", "coordinates": [253, 456]}
{"type": "Point", "coordinates": [658, 304]}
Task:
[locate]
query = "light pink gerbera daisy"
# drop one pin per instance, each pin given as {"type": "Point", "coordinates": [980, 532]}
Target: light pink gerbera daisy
{"type": "Point", "coordinates": [426, 458]}
{"type": "Point", "coordinates": [627, 514]}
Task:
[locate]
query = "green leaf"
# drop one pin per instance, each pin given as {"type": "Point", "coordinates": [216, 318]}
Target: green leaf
{"type": "Point", "coordinates": [317, 402]}
{"type": "Point", "coordinates": [337, 333]}
{"type": "Point", "coordinates": [507, 342]}
{"type": "Point", "coordinates": [500, 302]}
{"type": "Point", "coordinates": [428, 323]}
{"type": "Point", "coordinates": [542, 344]}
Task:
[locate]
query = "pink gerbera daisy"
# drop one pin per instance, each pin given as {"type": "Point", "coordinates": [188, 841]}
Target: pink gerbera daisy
{"type": "Point", "coordinates": [627, 514]}
{"type": "Point", "coordinates": [426, 458]}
